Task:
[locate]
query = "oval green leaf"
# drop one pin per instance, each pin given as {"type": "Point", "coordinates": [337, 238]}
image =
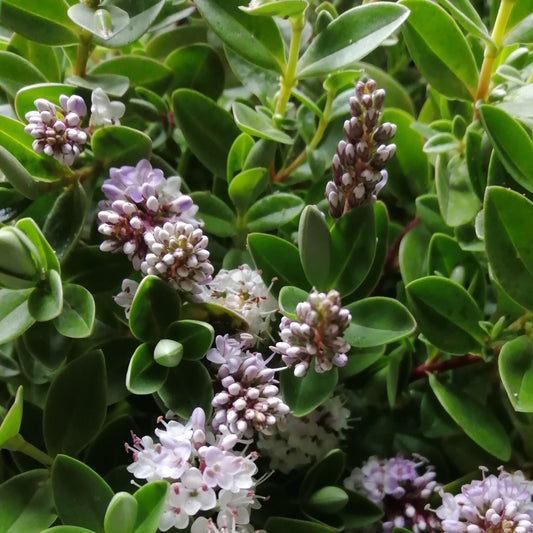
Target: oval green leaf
{"type": "Point", "coordinates": [273, 211]}
{"type": "Point", "coordinates": [77, 318]}
{"type": "Point", "coordinates": [218, 218]}
{"type": "Point", "coordinates": [257, 124]}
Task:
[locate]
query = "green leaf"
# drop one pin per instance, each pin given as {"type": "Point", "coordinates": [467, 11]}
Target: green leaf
{"type": "Point", "coordinates": [103, 22]}
{"type": "Point", "coordinates": [168, 353]}
{"type": "Point", "coordinates": [522, 33]}
{"type": "Point", "coordinates": [314, 245]}
{"type": "Point", "coordinates": [151, 505]}
{"type": "Point", "coordinates": [77, 318]}
{"type": "Point", "coordinates": [409, 171]}
{"type": "Point", "coordinates": [458, 202]}
{"type": "Point", "coordinates": [278, 524]}
{"type": "Point", "coordinates": [360, 511]}
{"type": "Point", "coordinates": [441, 143]}
{"type": "Point", "coordinates": [327, 500]}
{"type": "Point", "coordinates": [120, 145]}
{"type": "Point", "coordinates": [50, 18]}
{"type": "Point", "coordinates": [289, 298]}
{"type": "Point", "coordinates": [508, 242]}
{"type": "Point", "coordinates": [440, 50]}
{"type": "Point", "coordinates": [70, 479]}
{"type": "Point", "coordinates": [140, 21]}
{"type": "Point", "coordinates": [478, 422]}
{"type": "Point", "coordinates": [340, 81]}
{"type": "Point", "coordinates": [75, 407]}
{"type": "Point", "coordinates": [68, 529]}
{"type": "Point", "coordinates": [40, 55]}
{"type": "Point", "coordinates": [350, 37]}
{"type": "Point", "coordinates": [257, 124]}
{"type": "Point", "coordinates": [277, 258]}
{"type": "Point", "coordinates": [511, 142]}
{"type": "Point", "coordinates": [15, 317]}
{"type": "Point", "coordinates": [155, 306]}
{"type": "Point", "coordinates": [304, 395]}
{"type": "Point", "coordinates": [353, 239]}
{"type": "Point", "coordinates": [197, 67]}
{"type": "Point", "coordinates": [187, 386]}
{"type": "Point", "coordinates": [246, 187]}
{"type": "Point", "coordinates": [164, 43]}
{"type": "Point", "coordinates": [377, 321]}
{"type": "Point", "coordinates": [195, 336]}
{"type": "Point", "coordinates": [46, 254]}
{"type": "Point", "coordinates": [17, 72]}
{"type": "Point", "coordinates": [25, 98]}
{"type": "Point", "coordinates": [208, 129]}
{"type": "Point", "coordinates": [218, 218]}
{"type": "Point", "coordinates": [10, 426]}
{"type": "Point", "coordinates": [112, 84]}
{"type": "Point", "coordinates": [71, 205]}
{"type": "Point", "coordinates": [46, 300]}
{"type": "Point", "coordinates": [287, 8]}
{"type": "Point", "coordinates": [467, 16]}
{"type": "Point", "coordinates": [27, 503]}
{"type": "Point", "coordinates": [446, 314]}
{"type": "Point", "coordinates": [121, 514]}
{"type": "Point", "coordinates": [237, 155]}
{"type": "Point", "coordinates": [326, 471]}
{"type": "Point", "coordinates": [515, 364]}
{"type": "Point", "coordinates": [413, 253]}
{"type": "Point", "coordinates": [271, 212]}
{"type": "Point", "coordinates": [257, 38]}
{"type": "Point", "coordinates": [144, 375]}
{"type": "Point", "coordinates": [141, 71]}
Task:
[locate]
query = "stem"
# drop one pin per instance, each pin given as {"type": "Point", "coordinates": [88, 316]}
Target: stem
{"type": "Point", "coordinates": [288, 79]}
{"type": "Point", "coordinates": [395, 246]}
{"type": "Point", "coordinates": [317, 137]}
{"type": "Point", "coordinates": [82, 54]}
{"type": "Point", "coordinates": [491, 51]}
{"type": "Point", "coordinates": [18, 444]}
{"type": "Point", "coordinates": [456, 362]}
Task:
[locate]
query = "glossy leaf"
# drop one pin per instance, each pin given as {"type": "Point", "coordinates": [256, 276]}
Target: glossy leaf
{"type": "Point", "coordinates": [507, 240]}
{"type": "Point", "coordinates": [522, 33]}
{"type": "Point", "coordinates": [104, 22]}
{"type": "Point", "coordinates": [46, 301]}
{"type": "Point", "coordinates": [42, 56]}
{"type": "Point", "coordinates": [257, 39]}
{"type": "Point", "coordinates": [196, 115]}
{"type": "Point", "coordinates": [121, 514]}
{"type": "Point", "coordinates": [70, 478]}
{"type": "Point", "coordinates": [289, 298]}
{"type": "Point", "coordinates": [47, 255]}
{"type": "Point", "coordinates": [326, 471]}
{"type": "Point", "coordinates": [120, 145]}
{"type": "Point", "coordinates": [350, 37]}
{"type": "Point", "coordinates": [515, 364]}
{"type": "Point", "coordinates": [195, 336]}
{"type": "Point", "coordinates": [440, 50]}
{"type": "Point", "coordinates": [197, 67]}
{"type": "Point", "coordinates": [314, 245]}
{"type": "Point", "coordinates": [353, 239]}
{"type": "Point", "coordinates": [144, 375]}
{"type": "Point", "coordinates": [27, 502]}
{"type": "Point", "coordinates": [168, 353]}
{"type": "Point", "coordinates": [155, 306]}
{"type": "Point", "coordinates": [478, 422]}
{"type": "Point", "coordinates": [218, 218]}
{"type": "Point", "coordinates": [446, 314]}
{"type": "Point", "coordinates": [17, 72]}
{"type": "Point", "coordinates": [360, 511]}
{"type": "Point", "coordinates": [187, 386]}
{"type": "Point", "coordinates": [277, 258]}
{"type": "Point", "coordinates": [467, 16]}
{"type": "Point", "coordinates": [151, 505]}
{"type": "Point", "coordinates": [77, 317]}
{"type": "Point", "coordinates": [413, 254]}
{"type": "Point", "coordinates": [303, 395]}
{"type": "Point", "coordinates": [15, 317]}
{"type": "Point", "coordinates": [258, 125]}
{"type": "Point", "coordinates": [511, 142]}
{"type": "Point", "coordinates": [25, 98]}
{"type": "Point", "coordinates": [377, 321]}
{"type": "Point", "coordinates": [246, 187]}
{"type": "Point", "coordinates": [276, 9]}
{"type": "Point", "coordinates": [271, 212]}
{"type": "Point", "coordinates": [10, 425]}
{"type": "Point", "coordinates": [237, 155]}
{"type": "Point", "coordinates": [278, 524]}
{"type": "Point", "coordinates": [75, 406]}
{"type": "Point", "coordinates": [327, 500]}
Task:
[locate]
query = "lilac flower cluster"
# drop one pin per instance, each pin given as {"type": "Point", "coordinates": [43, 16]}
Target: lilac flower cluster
{"type": "Point", "coordinates": [248, 399]}
{"type": "Point", "coordinates": [358, 165]}
{"type": "Point", "coordinates": [205, 476]}
{"type": "Point", "coordinates": [296, 442]}
{"type": "Point", "coordinates": [148, 218]}
{"type": "Point", "coordinates": [56, 130]}
{"type": "Point", "coordinates": [243, 291]}
{"type": "Point", "coordinates": [317, 333]}
{"type": "Point", "coordinates": [495, 504]}
{"type": "Point", "coordinates": [402, 487]}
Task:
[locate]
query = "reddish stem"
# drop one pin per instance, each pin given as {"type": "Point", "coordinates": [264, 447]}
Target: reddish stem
{"type": "Point", "coordinates": [393, 250]}
{"type": "Point", "coordinates": [455, 362]}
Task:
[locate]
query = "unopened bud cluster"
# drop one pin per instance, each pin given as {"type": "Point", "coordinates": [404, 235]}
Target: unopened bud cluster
{"type": "Point", "coordinates": [56, 129]}
{"type": "Point", "coordinates": [316, 334]}
{"type": "Point", "coordinates": [402, 487]}
{"type": "Point", "coordinates": [358, 165]}
{"type": "Point", "coordinates": [248, 399]}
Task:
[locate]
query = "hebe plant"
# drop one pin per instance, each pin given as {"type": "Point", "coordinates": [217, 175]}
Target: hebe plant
{"type": "Point", "coordinates": [282, 250]}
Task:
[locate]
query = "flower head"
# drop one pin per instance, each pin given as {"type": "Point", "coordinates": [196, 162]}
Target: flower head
{"type": "Point", "coordinates": [402, 487]}
{"type": "Point", "coordinates": [495, 504]}
{"type": "Point", "coordinates": [317, 333]}
{"type": "Point", "coordinates": [358, 165]}
{"type": "Point", "coordinates": [103, 111]}
{"type": "Point", "coordinates": [56, 129]}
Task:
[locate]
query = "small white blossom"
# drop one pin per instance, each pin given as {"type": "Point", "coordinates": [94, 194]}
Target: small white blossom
{"type": "Point", "coordinates": [103, 111]}
{"type": "Point", "coordinates": [125, 297]}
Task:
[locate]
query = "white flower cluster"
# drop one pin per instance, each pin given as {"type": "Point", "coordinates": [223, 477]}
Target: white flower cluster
{"type": "Point", "coordinates": [205, 476]}
{"type": "Point", "coordinates": [243, 291]}
{"type": "Point", "coordinates": [297, 442]}
{"type": "Point", "coordinates": [249, 398]}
